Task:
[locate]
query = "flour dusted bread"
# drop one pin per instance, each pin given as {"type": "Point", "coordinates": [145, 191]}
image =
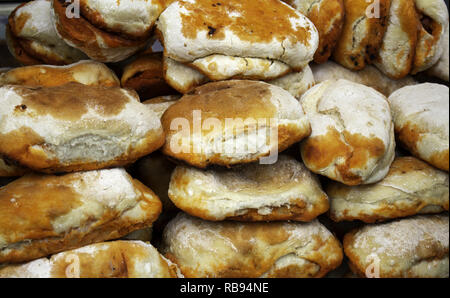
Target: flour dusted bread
{"type": "Point", "coordinates": [116, 259]}
{"type": "Point", "coordinates": [261, 39]}
{"type": "Point", "coordinates": [185, 79]}
{"type": "Point", "coordinates": [411, 187]}
{"type": "Point", "coordinates": [369, 76]}
{"type": "Point", "coordinates": [421, 117]}
{"type": "Point", "coordinates": [414, 247]}
{"type": "Point", "coordinates": [160, 104]}
{"type": "Point", "coordinates": [328, 17]}
{"type": "Point", "coordinates": [46, 214]}
{"type": "Point", "coordinates": [398, 49]}
{"type": "Point", "coordinates": [352, 139]}
{"type": "Point", "coordinates": [285, 190]}
{"type": "Point", "coordinates": [430, 46]}
{"type": "Point", "coordinates": [86, 72]}
{"type": "Point", "coordinates": [362, 33]}
{"type": "Point", "coordinates": [233, 122]}
{"type": "Point", "coordinates": [204, 249]}
{"type": "Point", "coordinates": [107, 30]}
{"type": "Point", "coordinates": [145, 75]}
{"type": "Point", "coordinates": [32, 38]}
{"type": "Point", "coordinates": [75, 127]}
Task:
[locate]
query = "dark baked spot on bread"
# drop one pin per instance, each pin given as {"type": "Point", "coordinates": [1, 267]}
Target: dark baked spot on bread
{"type": "Point", "coordinates": [355, 150]}
{"type": "Point", "coordinates": [71, 101]}
{"type": "Point", "coordinates": [251, 24]}
{"type": "Point", "coordinates": [30, 204]}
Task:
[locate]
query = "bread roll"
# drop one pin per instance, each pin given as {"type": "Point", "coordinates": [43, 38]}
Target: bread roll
{"type": "Point", "coordinates": [32, 38]}
{"type": "Point", "coordinates": [369, 76]}
{"type": "Point", "coordinates": [86, 72]}
{"type": "Point", "coordinates": [433, 20]}
{"type": "Point", "coordinates": [145, 75]}
{"type": "Point", "coordinates": [328, 17]}
{"type": "Point", "coordinates": [45, 214]}
{"type": "Point", "coordinates": [411, 187]}
{"type": "Point", "coordinates": [362, 34]}
{"type": "Point", "coordinates": [107, 30]}
{"type": "Point", "coordinates": [414, 247]}
{"type": "Point", "coordinates": [8, 169]}
{"type": "Point", "coordinates": [75, 127]}
{"type": "Point", "coordinates": [352, 139]}
{"type": "Point", "coordinates": [185, 79]}
{"type": "Point", "coordinates": [262, 39]}
{"type": "Point", "coordinates": [396, 55]}
{"type": "Point", "coordinates": [117, 259]}
{"type": "Point", "coordinates": [285, 190]}
{"type": "Point", "coordinates": [205, 249]}
{"type": "Point", "coordinates": [421, 117]}
{"type": "Point", "coordinates": [233, 122]}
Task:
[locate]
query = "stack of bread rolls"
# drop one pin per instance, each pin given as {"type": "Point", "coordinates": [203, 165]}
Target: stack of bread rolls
{"type": "Point", "coordinates": [238, 150]}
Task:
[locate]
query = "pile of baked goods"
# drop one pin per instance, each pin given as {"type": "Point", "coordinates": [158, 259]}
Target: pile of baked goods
{"type": "Point", "coordinates": [268, 138]}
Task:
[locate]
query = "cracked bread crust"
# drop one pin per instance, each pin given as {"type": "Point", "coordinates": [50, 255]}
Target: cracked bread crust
{"type": "Point", "coordinates": [245, 115]}
{"type": "Point", "coordinates": [421, 117]}
{"type": "Point", "coordinates": [46, 214]}
{"type": "Point", "coordinates": [193, 30]}
{"type": "Point", "coordinates": [205, 249]}
{"type": "Point", "coordinates": [361, 36]}
{"type": "Point", "coordinates": [285, 190]}
{"type": "Point", "coordinates": [116, 259]}
{"type": "Point", "coordinates": [53, 129]}
{"type": "Point", "coordinates": [345, 148]}
{"type": "Point", "coordinates": [411, 187]}
{"type": "Point", "coordinates": [415, 247]}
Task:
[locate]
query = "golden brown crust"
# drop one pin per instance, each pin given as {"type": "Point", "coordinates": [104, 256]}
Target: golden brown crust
{"type": "Point", "coordinates": [39, 200]}
{"type": "Point", "coordinates": [355, 56]}
{"type": "Point", "coordinates": [17, 51]}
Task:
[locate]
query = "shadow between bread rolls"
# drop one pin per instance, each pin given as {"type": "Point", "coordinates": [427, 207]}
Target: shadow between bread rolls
{"type": "Point", "coordinates": [54, 129]}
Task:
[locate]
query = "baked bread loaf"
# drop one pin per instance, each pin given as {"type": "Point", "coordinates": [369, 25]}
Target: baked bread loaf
{"type": "Point", "coordinates": [107, 30]}
{"type": "Point", "coordinates": [414, 247]}
{"type": "Point", "coordinates": [45, 214]}
{"type": "Point", "coordinates": [433, 20]}
{"type": "Point", "coordinates": [160, 104]}
{"type": "Point", "coordinates": [397, 52]}
{"type": "Point", "coordinates": [86, 72]}
{"type": "Point", "coordinates": [116, 259]}
{"type": "Point", "coordinates": [285, 190]}
{"type": "Point", "coordinates": [203, 249]}
{"type": "Point", "coordinates": [233, 122]}
{"type": "Point", "coordinates": [369, 76]}
{"type": "Point", "coordinates": [75, 127]}
{"type": "Point", "coordinates": [362, 34]}
{"type": "Point", "coordinates": [8, 169]}
{"type": "Point", "coordinates": [185, 79]}
{"type": "Point", "coordinates": [441, 68]}
{"type": "Point", "coordinates": [411, 187]}
{"type": "Point", "coordinates": [261, 39]}
{"type": "Point", "coordinates": [352, 139]}
{"type": "Point", "coordinates": [421, 117]}
{"type": "Point", "coordinates": [328, 17]}
{"type": "Point", "coordinates": [32, 38]}
{"type": "Point", "coordinates": [145, 75]}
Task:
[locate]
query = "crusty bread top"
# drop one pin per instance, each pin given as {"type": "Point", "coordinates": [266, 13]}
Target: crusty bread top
{"type": "Point", "coordinates": [236, 99]}
{"type": "Point", "coordinates": [37, 207]}
{"type": "Point", "coordinates": [267, 29]}
{"type": "Point", "coordinates": [160, 104]}
{"type": "Point", "coordinates": [32, 24]}
{"type": "Point", "coordinates": [85, 72]}
{"type": "Point", "coordinates": [115, 259]}
{"type": "Point", "coordinates": [134, 18]}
